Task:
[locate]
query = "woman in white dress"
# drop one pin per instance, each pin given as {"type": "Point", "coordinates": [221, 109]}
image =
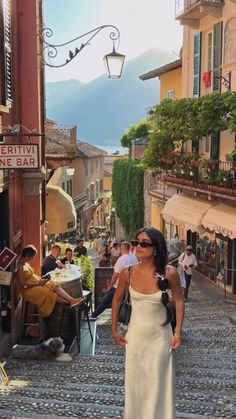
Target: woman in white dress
{"type": "Point", "coordinates": [149, 369]}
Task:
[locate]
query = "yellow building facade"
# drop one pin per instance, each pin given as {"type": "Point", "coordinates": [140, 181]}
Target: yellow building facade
{"type": "Point", "coordinates": [170, 76]}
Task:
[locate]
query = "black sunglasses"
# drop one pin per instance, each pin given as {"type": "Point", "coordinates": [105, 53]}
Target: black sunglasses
{"type": "Point", "coordinates": [135, 243]}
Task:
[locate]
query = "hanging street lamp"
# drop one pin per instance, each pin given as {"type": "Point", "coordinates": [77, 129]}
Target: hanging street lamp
{"type": "Point", "coordinates": [114, 61]}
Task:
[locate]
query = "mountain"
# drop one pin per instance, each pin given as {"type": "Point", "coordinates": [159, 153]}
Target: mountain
{"type": "Point", "coordinates": [103, 109]}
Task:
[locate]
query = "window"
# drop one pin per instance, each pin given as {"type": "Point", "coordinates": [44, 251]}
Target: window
{"type": "Point", "coordinates": [5, 54]}
{"type": "Point", "coordinates": [207, 144]}
{"type": "Point", "coordinates": [63, 186]}
{"type": "Point", "coordinates": [171, 94]}
{"type": "Point", "coordinates": [69, 187]}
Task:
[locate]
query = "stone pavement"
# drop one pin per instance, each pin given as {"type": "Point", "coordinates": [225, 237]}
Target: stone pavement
{"type": "Point", "coordinates": [92, 387]}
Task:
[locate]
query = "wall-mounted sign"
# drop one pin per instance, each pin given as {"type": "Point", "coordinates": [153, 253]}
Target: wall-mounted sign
{"type": "Point", "coordinates": [5, 278]}
{"type": "Point", "coordinates": [19, 156]}
{"type": "Point", "coordinates": [6, 258]}
{"type": "Point", "coordinates": [102, 282]}
{"type": "Point", "coordinates": [17, 239]}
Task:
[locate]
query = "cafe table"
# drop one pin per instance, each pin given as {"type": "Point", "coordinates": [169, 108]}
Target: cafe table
{"type": "Point", "coordinates": [70, 280]}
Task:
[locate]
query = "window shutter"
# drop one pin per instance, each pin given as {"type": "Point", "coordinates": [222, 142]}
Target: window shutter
{"type": "Point", "coordinates": [7, 51]}
{"type": "Point", "coordinates": [217, 56]}
{"type": "Point", "coordinates": [215, 143]}
{"type": "Point", "coordinates": [197, 64]}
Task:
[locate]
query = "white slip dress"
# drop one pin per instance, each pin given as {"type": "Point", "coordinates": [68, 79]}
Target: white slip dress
{"type": "Point", "coordinates": [149, 369]}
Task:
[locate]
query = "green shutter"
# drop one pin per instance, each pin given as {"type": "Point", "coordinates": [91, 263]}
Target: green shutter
{"type": "Point", "coordinates": [215, 145]}
{"type": "Point", "coordinates": [217, 56]}
{"type": "Point", "coordinates": [197, 64]}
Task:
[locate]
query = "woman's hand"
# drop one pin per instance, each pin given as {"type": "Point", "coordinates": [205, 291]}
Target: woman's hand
{"type": "Point", "coordinates": [120, 340]}
{"type": "Point", "coordinates": [176, 342]}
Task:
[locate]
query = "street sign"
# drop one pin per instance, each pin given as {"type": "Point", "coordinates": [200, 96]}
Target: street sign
{"type": "Point", "coordinates": [19, 156]}
{"type": "Point", "coordinates": [6, 258]}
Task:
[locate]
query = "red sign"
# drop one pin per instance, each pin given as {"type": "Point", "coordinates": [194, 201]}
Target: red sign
{"type": "Point", "coordinates": [207, 79]}
{"type": "Point", "coordinates": [6, 258]}
{"type": "Point", "coordinates": [19, 156]}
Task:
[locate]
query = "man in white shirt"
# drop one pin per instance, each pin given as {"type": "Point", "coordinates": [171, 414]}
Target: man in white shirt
{"type": "Point", "coordinates": [126, 259]}
{"type": "Point", "coordinates": [188, 260]}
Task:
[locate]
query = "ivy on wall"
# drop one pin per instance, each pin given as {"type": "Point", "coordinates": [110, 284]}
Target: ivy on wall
{"type": "Point", "coordinates": [127, 192]}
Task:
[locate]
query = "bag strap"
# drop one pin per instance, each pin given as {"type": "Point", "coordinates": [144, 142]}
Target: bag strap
{"type": "Point", "coordinates": [127, 294]}
{"type": "Point", "coordinates": [129, 270]}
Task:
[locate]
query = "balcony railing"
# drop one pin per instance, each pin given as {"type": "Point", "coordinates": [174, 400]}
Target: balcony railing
{"type": "Point", "coordinates": [218, 177]}
{"type": "Point", "coordinates": [182, 6]}
{"type": "Point", "coordinates": [80, 200]}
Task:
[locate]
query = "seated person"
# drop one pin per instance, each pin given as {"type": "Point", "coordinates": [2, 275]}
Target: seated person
{"type": "Point", "coordinates": [80, 249]}
{"type": "Point", "coordinates": [68, 256]}
{"type": "Point", "coordinates": [51, 261]}
{"type": "Point", "coordinates": [40, 291]}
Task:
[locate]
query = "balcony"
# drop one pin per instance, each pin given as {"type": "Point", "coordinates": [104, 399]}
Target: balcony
{"type": "Point", "coordinates": [80, 200]}
{"type": "Point", "coordinates": [215, 177]}
{"type": "Point", "coordinates": [190, 12]}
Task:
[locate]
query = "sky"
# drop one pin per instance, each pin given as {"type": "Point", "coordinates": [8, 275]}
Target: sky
{"type": "Point", "coordinates": [143, 25]}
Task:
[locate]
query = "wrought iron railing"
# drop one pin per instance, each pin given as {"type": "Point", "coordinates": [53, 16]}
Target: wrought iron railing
{"type": "Point", "coordinates": [183, 5]}
{"type": "Point", "coordinates": [214, 176]}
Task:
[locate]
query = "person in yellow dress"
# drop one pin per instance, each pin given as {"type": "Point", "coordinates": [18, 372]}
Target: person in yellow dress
{"type": "Point", "coordinates": [40, 291]}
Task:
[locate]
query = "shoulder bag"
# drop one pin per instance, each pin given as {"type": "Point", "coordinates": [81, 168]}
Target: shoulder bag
{"type": "Point", "coordinates": [126, 308]}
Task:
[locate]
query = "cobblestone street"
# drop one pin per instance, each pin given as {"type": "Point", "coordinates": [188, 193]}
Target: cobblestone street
{"type": "Point", "coordinates": [92, 387]}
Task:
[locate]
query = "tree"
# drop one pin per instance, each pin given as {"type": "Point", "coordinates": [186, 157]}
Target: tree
{"type": "Point", "coordinates": [139, 130]}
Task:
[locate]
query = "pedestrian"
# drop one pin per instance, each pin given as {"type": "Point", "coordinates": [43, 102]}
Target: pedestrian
{"type": "Point", "coordinates": [51, 262]}
{"type": "Point", "coordinates": [124, 260]}
{"type": "Point", "coordinates": [173, 261]}
{"type": "Point", "coordinates": [101, 245]}
{"type": "Point", "coordinates": [115, 253]}
{"type": "Point", "coordinates": [40, 291]}
{"type": "Point", "coordinates": [80, 249]}
{"type": "Point", "coordinates": [149, 370]}
{"type": "Point", "coordinates": [188, 260]}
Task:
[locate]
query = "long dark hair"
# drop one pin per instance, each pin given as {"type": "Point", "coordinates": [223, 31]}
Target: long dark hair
{"type": "Point", "coordinates": [161, 256]}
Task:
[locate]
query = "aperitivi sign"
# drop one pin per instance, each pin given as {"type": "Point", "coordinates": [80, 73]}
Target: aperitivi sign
{"type": "Point", "coordinates": [19, 156]}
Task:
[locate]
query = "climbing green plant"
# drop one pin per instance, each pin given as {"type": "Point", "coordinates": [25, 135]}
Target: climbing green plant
{"type": "Point", "coordinates": [127, 193]}
{"type": "Point", "coordinates": [175, 122]}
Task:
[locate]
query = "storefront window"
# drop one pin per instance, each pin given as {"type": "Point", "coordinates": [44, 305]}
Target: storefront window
{"type": "Point", "coordinates": [206, 254]}
{"type": "Point", "coordinates": [175, 238]}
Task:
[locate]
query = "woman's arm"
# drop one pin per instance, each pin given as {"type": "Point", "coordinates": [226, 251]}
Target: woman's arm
{"type": "Point", "coordinates": [116, 303]}
{"type": "Point", "coordinates": [177, 295]}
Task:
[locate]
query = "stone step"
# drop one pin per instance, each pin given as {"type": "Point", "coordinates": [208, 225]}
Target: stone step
{"type": "Point", "coordinates": [6, 414]}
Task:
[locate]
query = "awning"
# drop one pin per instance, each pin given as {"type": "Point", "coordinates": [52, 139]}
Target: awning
{"type": "Point", "coordinates": [185, 211]}
{"type": "Point", "coordinates": [222, 220]}
{"type": "Point", "coordinates": [60, 211]}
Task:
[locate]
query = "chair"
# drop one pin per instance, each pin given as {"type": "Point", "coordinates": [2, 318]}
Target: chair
{"type": "Point", "coordinates": [77, 312]}
{"type": "Point", "coordinates": [25, 323]}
